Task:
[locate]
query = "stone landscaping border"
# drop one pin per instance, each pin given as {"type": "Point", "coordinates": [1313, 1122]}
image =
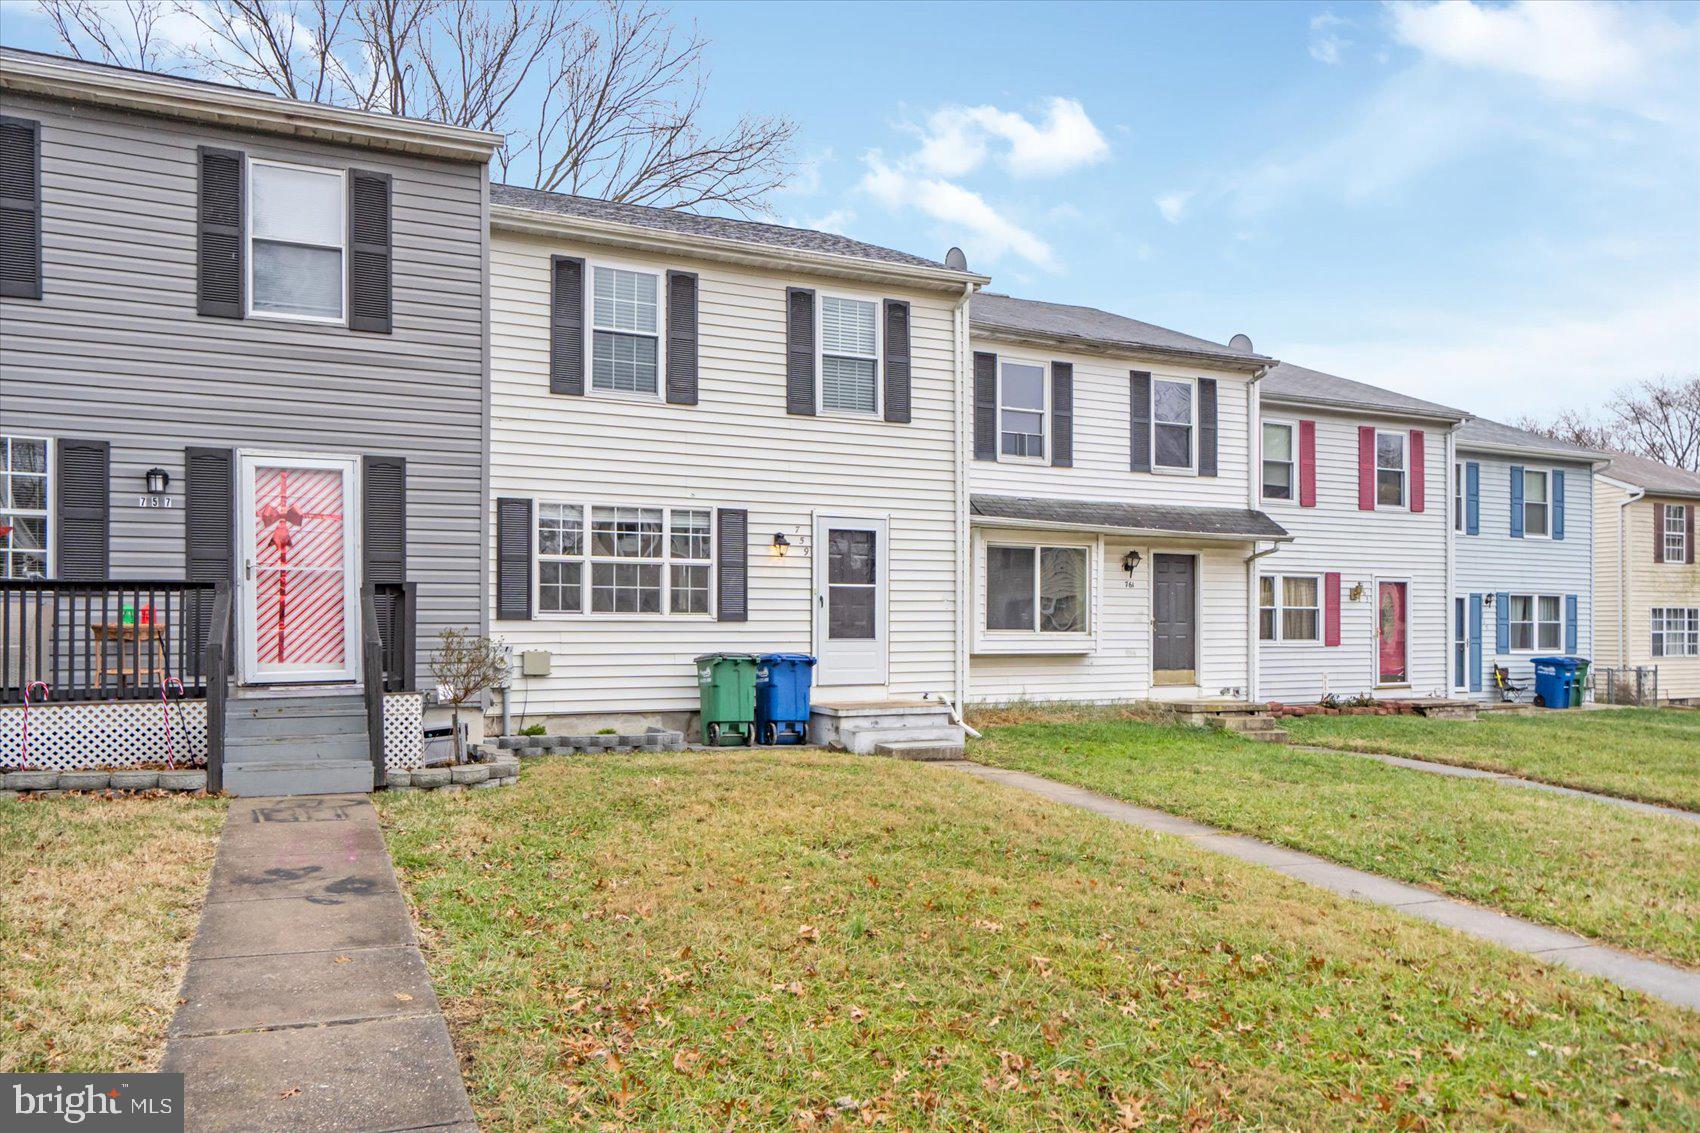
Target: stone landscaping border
{"type": "Point", "coordinates": [47, 783]}
{"type": "Point", "coordinates": [653, 739]}
{"type": "Point", "coordinates": [500, 771]}
{"type": "Point", "coordinates": [1435, 710]}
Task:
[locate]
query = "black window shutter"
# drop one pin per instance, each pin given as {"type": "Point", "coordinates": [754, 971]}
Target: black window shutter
{"type": "Point", "coordinates": [513, 559]}
{"type": "Point", "coordinates": [682, 337]}
{"type": "Point", "coordinates": [209, 527]}
{"type": "Point", "coordinates": [1207, 426]}
{"type": "Point", "coordinates": [732, 602]}
{"type": "Point", "coordinates": [1062, 414]}
{"type": "Point", "coordinates": [383, 518]}
{"type": "Point", "coordinates": [84, 491]}
{"type": "Point", "coordinates": [219, 231]}
{"type": "Point", "coordinates": [897, 361]}
{"type": "Point", "coordinates": [1139, 419]}
{"type": "Point", "coordinates": [20, 208]}
{"type": "Point", "coordinates": [985, 406]}
{"type": "Point", "coordinates": [800, 351]}
{"type": "Point", "coordinates": [369, 243]}
{"type": "Point", "coordinates": [566, 331]}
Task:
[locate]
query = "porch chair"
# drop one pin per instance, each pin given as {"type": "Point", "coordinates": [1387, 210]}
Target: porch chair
{"type": "Point", "coordinates": [1509, 691]}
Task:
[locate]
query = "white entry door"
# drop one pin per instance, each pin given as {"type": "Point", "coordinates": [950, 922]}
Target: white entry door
{"type": "Point", "coordinates": [296, 569]}
{"type": "Point", "coordinates": [850, 601]}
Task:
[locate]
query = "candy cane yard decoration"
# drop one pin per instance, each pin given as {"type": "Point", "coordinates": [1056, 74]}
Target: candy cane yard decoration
{"type": "Point", "coordinates": [46, 694]}
{"type": "Point", "coordinates": [165, 708]}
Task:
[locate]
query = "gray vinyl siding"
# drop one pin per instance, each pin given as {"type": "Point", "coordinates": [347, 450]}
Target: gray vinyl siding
{"type": "Point", "coordinates": [1492, 562]}
{"type": "Point", "coordinates": [115, 349]}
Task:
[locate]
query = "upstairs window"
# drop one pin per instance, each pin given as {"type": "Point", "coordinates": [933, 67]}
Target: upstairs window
{"type": "Point", "coordinates": [1457, 497]}
{"type": "Point", "coordinates": [297, 228]}
{"type": "Point", "coordinates": [24, 529]}
{"type": "Point", "coordinates": [849, 364]}
{"type": "Point", "coordinates": [625, 336]}
{"type": "Point", "coordinates": [1536, 513]}
{"type": "Point", "coordinates": [1021, 410]}
{"type": "Point", "coordinates": [1390, 470]}
{"type": "Point", "coordinates": [1277, 461]}
{"type": "Point", "coordinates": [1676, 532]}
{"type": "Point", "coordinates": [1036, 589]}
{"type": "Point", "coordinates": [1171, 424]}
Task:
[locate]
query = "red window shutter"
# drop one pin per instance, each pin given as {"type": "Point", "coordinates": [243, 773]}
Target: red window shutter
{"type": "Point", "coordinates": [1307, 463]}
{"type": "Point", "coordinates": [1416, 470]}
{"type": "Point", "coordinates": [1331, 608]}
{"type": "Point", "coordinates": [1366, 468]}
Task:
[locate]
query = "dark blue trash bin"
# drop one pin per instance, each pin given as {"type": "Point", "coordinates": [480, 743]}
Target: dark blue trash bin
{"type": "Point", "coordinates": [1554, 677]}
{"type": "Point", "coordinates": [782, 697]}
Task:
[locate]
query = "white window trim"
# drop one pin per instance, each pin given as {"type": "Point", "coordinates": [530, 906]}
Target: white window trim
{"type": "Point", "coordinates": [1292, 428]}
{"type": "Point", "coordinates": [1044, 411]}
{"type": "Point", "coordinates": [1460, 656]}
{"type": "Point", "coordinates": [1546, 475]}
{"type": "Point", "coordinates": [1659, 630]}
{"type": "Point", "coordinates": [878, 411]}
{"type": "Point", "coordinates": [666, 561]}
{"type": "Point", "coordinates": [1191, 466]}
{"type": "Point", "coordinates": [1459, 498]}
{"type": "Point", "coordinates": [248, 310]}
{"type": "Point", "coordinates": [1679, 533]}
{"type": "Point", "coordinates": [1038, 550]}
{"type": "Point", "coordinates": [1033, 643]}
{"type": "Point", "coordinates": [1535, 623]}
{"type": "Point", "coordinates": [46, 513]}
{"type": "Point", "coordinates": [590, 329]}
{"type": "Point", "coordinates": [1404, 491]}
{"type": "Point", "coordinates": [1281, 607]}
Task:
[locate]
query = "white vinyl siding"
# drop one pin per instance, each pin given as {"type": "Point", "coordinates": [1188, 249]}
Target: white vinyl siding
{"type": "Point", "coordinates": [1022, 417]}
{"type": "Point", "coordinates": [849, 337]}
{"type": "Point", "coordinates": [625, 330]}
{"type": "Point", "coordinates": [1676, 631]}
{"type": "Point", "coordinates": [296, 232]}
{"type": "Point", "coordinates": [26, 494]}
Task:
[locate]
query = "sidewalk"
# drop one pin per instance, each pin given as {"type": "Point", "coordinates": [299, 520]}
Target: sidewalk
{"type": "Point", "coordinates": [1549, 945]}
{"type": "Point", "coordinates": [306, 1005]}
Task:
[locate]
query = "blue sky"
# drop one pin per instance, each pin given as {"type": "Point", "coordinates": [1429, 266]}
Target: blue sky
{"type": "Point", "coordinates": [1492, 206]}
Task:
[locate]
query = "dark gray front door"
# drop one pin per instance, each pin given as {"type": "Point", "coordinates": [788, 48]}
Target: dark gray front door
{"type": "Point", "coordinates": [1174, 615]}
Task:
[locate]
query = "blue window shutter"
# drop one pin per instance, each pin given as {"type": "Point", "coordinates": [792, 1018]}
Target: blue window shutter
{"type": "Point", "coordinates": [1516, 501]}
{"type": "Point", "coordinates": [1557, 504]}
{"type": "Point", "coordinates": [1475, 643]}
{"type": "Point", "coordinates": [1472, 498]}
{"type": "Point", "coordinates": [1570, 635]}
{"type": "Point", "coordinates": [1502, 622]}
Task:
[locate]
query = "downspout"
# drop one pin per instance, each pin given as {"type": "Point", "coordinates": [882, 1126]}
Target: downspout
{"type": "Point", "coordinates": [1254, 479]}
{"type": "Point", "coordinates": [964, 568]}
{"type": "Point", "coordinates": [1251, 612]}
{"type": "Point", "coordinates": [1453, 521]}
{"type": "Point", "coordinates": [1635, 494]}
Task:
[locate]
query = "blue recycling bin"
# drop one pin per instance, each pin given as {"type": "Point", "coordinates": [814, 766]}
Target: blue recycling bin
{"type": "Point", "coordinates": [1555, 677]}
{"type": "Point", "coordinates": [782, 697]}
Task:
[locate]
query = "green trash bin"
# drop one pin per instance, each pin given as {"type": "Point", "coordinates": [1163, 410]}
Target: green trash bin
{"type": "Point", "coordinates": [1579, 683]}
{"type": "Point", "coordinates": [727, 685]}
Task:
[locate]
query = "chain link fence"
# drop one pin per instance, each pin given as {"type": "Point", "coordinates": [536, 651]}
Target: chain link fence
{"type": "Point", "coordinates": [1638, 685]}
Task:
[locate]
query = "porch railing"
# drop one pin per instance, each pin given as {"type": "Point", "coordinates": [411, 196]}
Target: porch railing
{"type": "Point", "coordinates": [103, 640]}
{"type": "Point", "coordinates": [216, 664]}
{"type": "Point", "coordinates": [386, 629]}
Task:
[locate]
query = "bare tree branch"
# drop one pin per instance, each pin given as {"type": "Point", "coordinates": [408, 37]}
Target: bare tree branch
{"type": "Point", "coordinates": [1659, 418]}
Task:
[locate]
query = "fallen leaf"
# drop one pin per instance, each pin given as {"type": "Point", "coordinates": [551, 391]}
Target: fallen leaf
{"type": "Point", "coordinates": [403, 997]}
{"type": "Point", "coordinates": [291, 1092]}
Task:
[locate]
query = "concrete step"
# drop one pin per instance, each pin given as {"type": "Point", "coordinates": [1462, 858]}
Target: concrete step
{"type": "Point", "coordinates": [919, 749]}
{"type": "Point", "coordinates": [1269, 736]}
{"type": "Point", "coordinates": [862, 740]}
{"type": "Point", "coordinates": [315, 747]}
{"type": "Point", "coordinates": [339, 724]}
{"type": "Point", "coordinates": [300, 777]}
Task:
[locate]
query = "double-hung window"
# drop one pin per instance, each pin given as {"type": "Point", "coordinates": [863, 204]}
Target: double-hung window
{"type": "Point", "coordinates": [1171, 424]}
{"type": "Point", "coordinates": [1277, 461]}
{"type": "Point", "coordinates": [1021, 410]}
{"type": "Point", "coordinates": [1537, 520]}
{"type": "Point", "coordinates": [1460, 646]}
{"type": "Point", "coordinates": [1458, 497]}
{"type": "Point", "coordinates": [1287, 607]}
{"type": "Point", "coordinates": [1390, 470]}
{"type": "Point", "coordinates": [1037, 589]}
{"type": "Point", "coordinates": [24, 526]}
{"type": "Point", "coordinates": [297, 229]}
{"type": "Point", "coordinates": [1676, 631]}
{"type": "Point", "coordinates": [1537, 622]}
{"type": "Point", "coordinates": [849, 362]}
{"type": "Point", "coordinates": [1675, 517]}
{"type": "Point", "coordinates": [625, 330]}
{"type": "Point", "coordinates": [609, 559]}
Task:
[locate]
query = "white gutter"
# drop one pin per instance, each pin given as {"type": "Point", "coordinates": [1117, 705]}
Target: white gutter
{"type": "Point", "coordinates": [1635, 494]}
{"type": "Point", "coordinates": [1130, 350]}
{"type": "Point", "coordinates": [1252, 638]}
{"type": "Point", "coordinates": [1135, 532]}
{"type": "Point", "coordinates": [1452, 526]}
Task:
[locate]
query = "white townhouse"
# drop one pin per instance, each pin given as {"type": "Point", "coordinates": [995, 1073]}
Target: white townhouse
{"type": "Point", "coordinates": [1523, 539]}
{"type": "Point", "coordinates": [1111, 507]}
{"type": "Point", "coordinates": [1358, 601]}
{"type": "Point", "coordinates": [718, 435]}
{"type": "Point", "coordinates": [1647, 572]}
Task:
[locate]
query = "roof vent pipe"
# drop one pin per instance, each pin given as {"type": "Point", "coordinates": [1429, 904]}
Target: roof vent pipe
{"type": "Point", "coordinates": [955, 260]}
{"type": "Point", "coordinates": [1240, 342]}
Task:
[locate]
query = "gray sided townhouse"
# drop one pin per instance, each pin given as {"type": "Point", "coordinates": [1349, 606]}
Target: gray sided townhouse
{"type": "Point", "coordinates": [243, 343]}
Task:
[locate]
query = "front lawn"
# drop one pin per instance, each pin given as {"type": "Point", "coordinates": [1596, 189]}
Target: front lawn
{"type": "Point", "coordinates": [792, 940]}
{"type": "Point", "coordinates": [98, 900]}
{"type": "Point", "coordinates": [1608, 873]}
{"type": "Point", "coordinates": [1639, 753]}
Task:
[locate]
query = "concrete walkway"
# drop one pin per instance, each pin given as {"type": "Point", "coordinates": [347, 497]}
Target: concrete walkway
{"type": "Point", "coordinates": [306, 1005]}
{"type": "Point", "coordinates": [1661, 981]}
{"type": "Point", "coordinates": [1505, 780]}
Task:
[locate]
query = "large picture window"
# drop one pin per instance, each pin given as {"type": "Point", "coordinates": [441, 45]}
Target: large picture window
{"type": "Point", "coordinates": [1171, 424]}
{"type": "Point", "coordinates": [623, 559]}
{"type": "Point", "coordinates": [1676, 631]}
{"type": "Point", "coordinates": [1037, 589]}
{"type": "Point", "coordinates": [625, 330]}
{"type": "Point", "coordinates": [1287, 607]}
{"type": "Point", "coordinates": [24, 496]}
{"type": "Point", "coordinates": [1537, 622]}
{"type": "Point", "coordinates": [1277, 461]}
{"type": "Point", "coordinates": [1021, 410]}
{"type": "Point", "coordinates": [1537, 518]}
{"type": "Point", "coordinates": [849, 364]}
{"type": "Point", "coordinates": [297, 229]}
{"type": "Point", "coordinates": [1675, 517]}
{"type": "Point", "coordinates": [1390, 470]}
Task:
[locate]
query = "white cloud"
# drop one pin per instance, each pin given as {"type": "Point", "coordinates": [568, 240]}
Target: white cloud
{"type": "Point", "coordinates": [838, 220]}
{"type": "Point", "coordinates": [1173, 205]}
{"type": "Point", "coordinates": [956, 140]}
{"type": "Point", "coordinates": [989, 234]}
{"type": "Point", "coordinates": [1326, 38]}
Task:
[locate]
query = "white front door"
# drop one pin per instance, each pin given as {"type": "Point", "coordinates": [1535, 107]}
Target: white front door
{"type": "Point", "coordinates": [296, 569]}
{"type": "Point", "coordinates": [850, 601]}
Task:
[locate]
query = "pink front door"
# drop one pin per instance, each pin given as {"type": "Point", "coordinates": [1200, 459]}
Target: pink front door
{"type": "Point", "coordinates": [1391, 665]}
{"type": "Point", "coordinates": [298, 584]}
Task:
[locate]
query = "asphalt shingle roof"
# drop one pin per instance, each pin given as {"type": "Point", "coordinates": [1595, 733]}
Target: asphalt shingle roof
{"type": "Point", "coordinates": [991, 311]}
{"type": "Point", "coordinates": [695, 224]}
{"type": "Point", "coordinates": [1290, 383]}
{"type": "Point", "coordinates": [1658, 478]}
{"type": "Point", "coordinates": [1480, 430]}
{"type": "Point", "coordinates": [1220, 521]}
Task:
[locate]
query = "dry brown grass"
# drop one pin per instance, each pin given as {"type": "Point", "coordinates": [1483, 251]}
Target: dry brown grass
{"type": "Point", "coordinates": [1043, 712]}
{"type": "Point", "coordinates": [98, 900]}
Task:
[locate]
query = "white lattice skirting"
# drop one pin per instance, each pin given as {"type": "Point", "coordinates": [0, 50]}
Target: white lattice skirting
{"type": "Point", "coordinates": [83, 737]}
